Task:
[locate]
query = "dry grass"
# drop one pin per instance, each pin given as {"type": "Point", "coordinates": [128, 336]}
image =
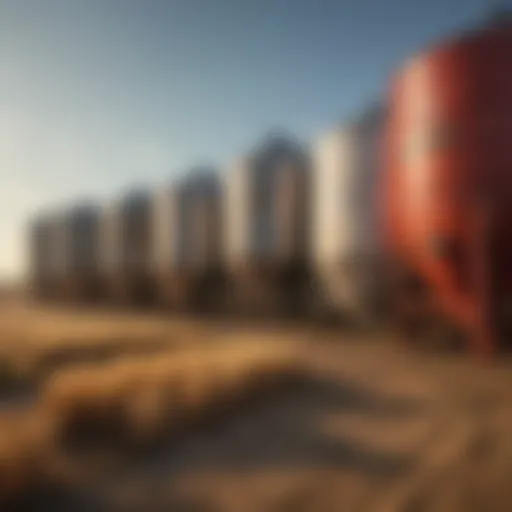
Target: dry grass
{"type": "Point", "coordinates": [106, 380]}
{"type": "Point", "coordinates": [132, 401]}
{"type": "Point", "coordinates": [25, 450]}
{"type": "Point", "coordinates": [140, 400]}
{"type": "Point", "coordinates": [34, 343]}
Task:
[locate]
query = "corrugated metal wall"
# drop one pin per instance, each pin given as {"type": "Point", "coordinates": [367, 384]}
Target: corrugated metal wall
{"type": "Point", "coordinates": [82, 240]}
{"type": "Point", "coordinates": [347, 232]}
{"type": "Point", "coordinates": [345, 189]}
{"type": "Point", "coordinates": [187, 224]}
{"type": "Point", "coordinates": [40, 248]}
{"type": "Point", "coordinates": [167, 230]}
{"type": "Point", "coordinates": [201, 195]}
{"type": "Point", "coordinates": [266, 205]}
{"type": "Point", "coordinates": [126, 235]}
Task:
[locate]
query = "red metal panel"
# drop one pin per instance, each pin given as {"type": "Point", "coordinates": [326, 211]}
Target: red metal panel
{"type": "Point", "coordinates": [448, 151]}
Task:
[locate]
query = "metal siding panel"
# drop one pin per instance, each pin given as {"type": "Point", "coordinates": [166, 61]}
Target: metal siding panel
{"type": "Point", "coordinates": [187, 225]}
{"type": "Point", "coordinates": [203, 229]}
{"type": "Point", "coordinates": [346, 175]}
{"type": "Point", "coordinates": [347, 228]}
{"type": "Point", "coordinates": [82, 231]}
{"type": "Point", "coordinates": [110, 240]}
{"type": "Point", "coordinates": [40, 248]}
{"type": "Point", "coordinates": [126, 239]}
{"type": "Point", "coordinates": [236, 213]}
{"type": "Point", "coordinates": [327, 197]}
{"type": "Point", "coordinates": [265, 209]}
{"type": "Point", "coordinates": [164, 231]}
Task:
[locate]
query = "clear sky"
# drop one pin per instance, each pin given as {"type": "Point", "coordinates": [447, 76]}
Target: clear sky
{"type": "Point", "coordinates": [97, 95]}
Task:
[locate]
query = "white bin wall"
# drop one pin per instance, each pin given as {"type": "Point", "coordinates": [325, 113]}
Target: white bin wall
{"type": "Point", "coordinates": [236, 212]}
{"type": "Point", "coordinates": [126, 238]}
{"type": "Point", "coordinates": [187, 227]}
{"type": "Point", "coordinates": [263, 214]}
{"type": "Point", "coordinates": [110, 241]}
{"type": "Point", "coordinates": [168, 231]}
{"type": "Point", "coordinates": [203, 228]}
{"type": "Point", "coordinates": [347, 236]}
{"type": "Point", "coordinates": [59, 258]}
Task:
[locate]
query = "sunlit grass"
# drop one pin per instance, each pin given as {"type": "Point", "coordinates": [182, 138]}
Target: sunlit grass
{"type": "Point", "coordinates": [133, 402]}
{"type": "Point", "coordinates": [137, 400]}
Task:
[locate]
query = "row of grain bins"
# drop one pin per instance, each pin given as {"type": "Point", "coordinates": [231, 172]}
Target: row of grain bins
{"type": "Point", "coordinates": [423, 233]}
{"type": "Point", "coordinates": [283, 229]}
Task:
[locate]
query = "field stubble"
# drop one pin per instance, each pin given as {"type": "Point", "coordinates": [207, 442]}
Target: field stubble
{"type": "Point", "coordinates": [141, 382]}
{"type": "Point", "coordinates": [365, 426]}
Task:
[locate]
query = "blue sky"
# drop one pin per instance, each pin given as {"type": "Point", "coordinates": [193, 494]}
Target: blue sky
{"type": "Point", "coordinates": [99, 95]}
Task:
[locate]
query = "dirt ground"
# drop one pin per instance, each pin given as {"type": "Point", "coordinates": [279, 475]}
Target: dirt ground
{"type": "Point", "coordinates": [376, 426]}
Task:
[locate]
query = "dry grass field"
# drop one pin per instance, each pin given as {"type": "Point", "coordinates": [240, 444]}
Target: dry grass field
{"type": "Point", "coordinates": [139, 412]}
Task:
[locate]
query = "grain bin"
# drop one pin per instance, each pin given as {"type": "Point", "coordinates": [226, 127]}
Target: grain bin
{"type": "Point", "coordinates": [346, 229]}
{"type": "Point", "coordinates": [188, 234]}
{"type": "Point", "coordinates": [266, 232]}
{"type": "Point", "coordinates": [448, 183]}
{"type": "Point", "coordinates": [40, 254]}
{"type": "Point", "coordinates": [126, 248]}
{"type": "Point", "coordinates": [77, 245]}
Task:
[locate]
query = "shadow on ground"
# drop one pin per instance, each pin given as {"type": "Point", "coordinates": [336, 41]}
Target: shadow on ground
{"type": "Point", "coordinates": [272, 436]}
{"type": "Point", "coordinates": [278, 436]}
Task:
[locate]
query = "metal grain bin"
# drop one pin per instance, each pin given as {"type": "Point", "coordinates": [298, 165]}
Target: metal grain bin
{"type": "Point", "coordinates": [167, 231]}
{"type": "Point", "coordinates": [126, 250]}
{"type": "Point", "coordinates": [266, 215]}
{"type": "Point", "coordinates": [40, 254]}
{"type": "Point", "coordinates": [346, 227]}
{"type": "Point", "coordinates": [77, 240]}
{"type": "Point", "coordinates": [188, 240]}
{"type": "Point", "coordinates": [447, 188]}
